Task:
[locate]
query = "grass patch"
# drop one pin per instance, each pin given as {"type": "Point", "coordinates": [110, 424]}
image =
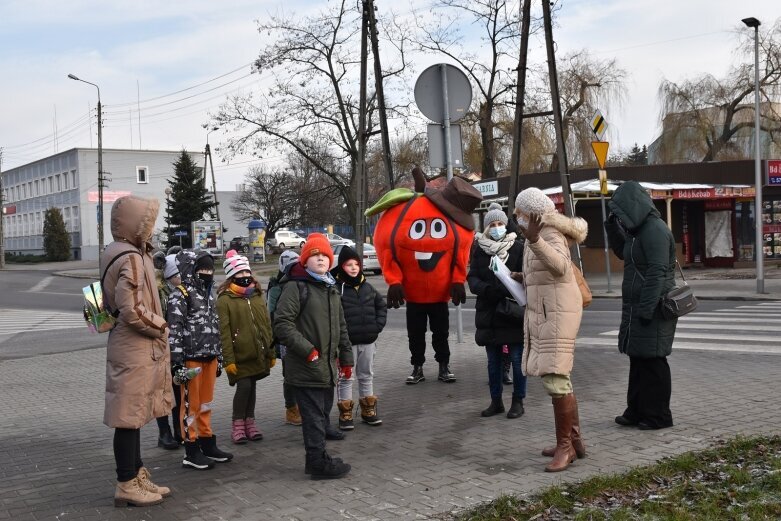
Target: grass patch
{"type": "Point", "coordinates": [736, 479]}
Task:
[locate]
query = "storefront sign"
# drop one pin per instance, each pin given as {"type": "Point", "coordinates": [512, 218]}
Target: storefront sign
{"type": "Point", "coordinates": [9, 210]}
{"type": "Point", "coordinates": [109, 196]}
{"type": "Point", "coordinates": [488, 188]}
{"type": "Point", "coordinates": [773, 169]}
{"type": "Point", "coordinates": [714, 193]}
{"type": "Point", "coordinates": [771, 228]}
{"type": "Point", "coordinates": [718, 204]}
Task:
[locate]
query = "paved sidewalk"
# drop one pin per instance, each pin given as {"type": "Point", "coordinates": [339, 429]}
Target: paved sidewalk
{"type": "Point", "coordinates": [434, 454]}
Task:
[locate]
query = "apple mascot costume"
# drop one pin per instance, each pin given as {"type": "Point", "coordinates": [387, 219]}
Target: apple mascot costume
{"type": "Point", "coordinates": [423, 240]}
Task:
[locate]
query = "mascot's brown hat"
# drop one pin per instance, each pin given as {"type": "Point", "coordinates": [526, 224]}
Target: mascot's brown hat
{"type": "Point", "coordinates": [457, 199]}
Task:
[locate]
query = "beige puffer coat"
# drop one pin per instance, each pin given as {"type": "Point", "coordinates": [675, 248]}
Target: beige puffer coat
{"type": "Point", "coordinates": [554, 305]}
{"type": "Point", "coordinates": [138, 372]}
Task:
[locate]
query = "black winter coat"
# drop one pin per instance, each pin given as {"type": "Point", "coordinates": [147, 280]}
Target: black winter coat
{"type": "Point", "coordinates": [648, 250]}
{"type": "Point", "coordinates": [365, 312]}
{"type": "Point", "coordinates": [493, 327]}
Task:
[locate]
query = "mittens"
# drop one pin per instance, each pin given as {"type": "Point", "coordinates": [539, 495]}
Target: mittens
{"type": "Point", "coordinates": [314, 356]}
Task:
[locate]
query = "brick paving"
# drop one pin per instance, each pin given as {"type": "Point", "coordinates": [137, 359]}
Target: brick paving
{"type": "Point", "coordinates": [432, 456]}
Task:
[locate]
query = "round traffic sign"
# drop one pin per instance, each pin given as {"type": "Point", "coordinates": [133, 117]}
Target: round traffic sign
{"type": "Point", "coordinates": [429, 96]}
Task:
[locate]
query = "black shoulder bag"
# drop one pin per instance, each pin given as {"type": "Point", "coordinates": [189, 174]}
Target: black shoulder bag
{"type": "Point", "coordinates": [680, 300]}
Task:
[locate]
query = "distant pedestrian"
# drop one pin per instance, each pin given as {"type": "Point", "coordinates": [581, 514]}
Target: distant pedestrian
{"type": "Point", "coordinates": [365, 312]}
{"type": "Point", "coordinates": [309, 322]}
{"type": "Point", "coordinates": [245, 329]}
{"type": "Point", "coordinates": [138, 377]}
{"type": "Point", "coordinates": [195, 344]}
{"type": "Point", "coordinates": [287, 259]}
{"type": "Point", "coordinates": [637, 234]}
{"type": "Point", "coordinates": [167, 280]}
{"type": "Point", "coordinates": [498, 317]}
{"type": "Point", "coordinates": [553, 312]}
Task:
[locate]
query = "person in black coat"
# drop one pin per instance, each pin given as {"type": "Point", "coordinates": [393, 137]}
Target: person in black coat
{"type": "Point", "coordinates": [365, 312]}
{"type": "Point", "coordinates": [498, 318]}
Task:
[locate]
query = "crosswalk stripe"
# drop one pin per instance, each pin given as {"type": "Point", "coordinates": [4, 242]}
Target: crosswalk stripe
{"type": "Point", "coordinates": [15, 321]}
{"type": "Point", "coordinates": [706, 336]}
{"type": "Point", "coordinates": [689, 346]}
{"type": "Point", "coordinates": [730, 327]}
{"type": "Point", "coordinates": [720, 319]}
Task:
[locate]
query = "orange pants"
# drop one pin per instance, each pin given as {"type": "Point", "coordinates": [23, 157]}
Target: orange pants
{"type": "Point", "coordinates": [201, 394]}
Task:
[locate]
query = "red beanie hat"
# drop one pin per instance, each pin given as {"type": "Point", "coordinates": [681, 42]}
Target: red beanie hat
{"type": "Point", "coordinates": [316, 243]}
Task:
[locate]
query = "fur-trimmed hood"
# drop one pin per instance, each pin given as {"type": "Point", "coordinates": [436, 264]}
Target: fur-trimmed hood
{"type": "Point", "coordinates": [574, 228]}
{"type": "Point", "coordinates": [133, 219]}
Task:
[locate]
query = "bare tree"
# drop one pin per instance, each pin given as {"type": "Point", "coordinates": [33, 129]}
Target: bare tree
{"type": "Point", "coordinates": [312, 106]}
{"type": "Point", "coordinates": [586, 84]}
{"type": "Point", "coordinates": [706, 115]}
{"type": "Point", "coordinates": [268, 195]}
{"type": "Point", "coordinates": [489, 69]}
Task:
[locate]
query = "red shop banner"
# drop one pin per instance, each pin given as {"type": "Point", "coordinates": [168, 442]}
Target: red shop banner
{"type": "Point", "coordinates": [719, 204]}
{"type": "Point", "coordinates": [714, 193]}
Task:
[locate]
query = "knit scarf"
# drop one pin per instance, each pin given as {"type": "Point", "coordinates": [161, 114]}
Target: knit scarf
{"type": "Point", "coordinates": [326, 278]}
{"type": "Point", "coordinates": [241, 291]}
{"type": "Point", "coordinates": [500, 248]}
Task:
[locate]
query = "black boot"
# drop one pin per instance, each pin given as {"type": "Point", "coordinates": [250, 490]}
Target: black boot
{"type": "Point", "coordinates": [416, 376]}
{"type": "Point", "coordinates": [496, 407]}
{"type": "Point", "coordinates": [308, 466]}
{"type": "Point", "coordinates": [166, 440]}
{"type": "Point", "coordinates": [516, 409]}
{"type": "Point", "coordinates": [327, 468]}
{"type": "Point", "coordinates": [194, 458]}
{"type": "Point", "coordinates": [211, 451]}
{"type": "Point", "coordinates": [445, 375]}
{"type": "Point", "coordinates": [333, 434]}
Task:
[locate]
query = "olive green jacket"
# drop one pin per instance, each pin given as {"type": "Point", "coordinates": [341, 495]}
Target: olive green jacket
{"type": "Point", "coordinates": [319, 325]}
{"type": "Point", "coordinates": [245, 333]}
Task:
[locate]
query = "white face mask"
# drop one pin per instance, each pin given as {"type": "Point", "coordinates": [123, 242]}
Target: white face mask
{"type": "Point", "coordinates": [497, 232]}
{"type": "Point", "coordinates": [523, 222]}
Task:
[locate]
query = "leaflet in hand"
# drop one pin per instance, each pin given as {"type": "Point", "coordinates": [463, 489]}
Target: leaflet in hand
{"type": "Point", "coordinates": [502, 273]}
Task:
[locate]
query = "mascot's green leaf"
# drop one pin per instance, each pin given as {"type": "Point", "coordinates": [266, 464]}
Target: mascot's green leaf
{"type": "Point", "coordinates": [389, 200]}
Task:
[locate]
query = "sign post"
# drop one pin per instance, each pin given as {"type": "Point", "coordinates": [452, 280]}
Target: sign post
{"type": "Point", "coordinates": [600, 152]}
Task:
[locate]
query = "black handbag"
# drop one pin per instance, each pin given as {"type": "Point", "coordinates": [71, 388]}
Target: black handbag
{"type": "Point", "coordinates": [509, 309]}
{"type": "Point", "coordinates": [680, 300]}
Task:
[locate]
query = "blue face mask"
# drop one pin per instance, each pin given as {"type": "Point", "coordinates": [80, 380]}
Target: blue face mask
{"type": "Point", "coordinates": [497, 233]}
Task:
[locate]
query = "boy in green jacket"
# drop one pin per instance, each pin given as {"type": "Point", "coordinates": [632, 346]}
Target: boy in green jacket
{"type": "Point", "coordinates": [309, 321]}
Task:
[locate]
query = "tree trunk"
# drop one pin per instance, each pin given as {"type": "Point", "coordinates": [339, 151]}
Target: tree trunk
{"type": "Point", "coordinates": [487, 140]}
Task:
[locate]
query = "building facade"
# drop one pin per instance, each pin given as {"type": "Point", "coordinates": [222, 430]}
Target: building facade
{"type": "Point", "coordinates": [69, 181]}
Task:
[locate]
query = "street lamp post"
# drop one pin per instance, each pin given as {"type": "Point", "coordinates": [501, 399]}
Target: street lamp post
{"type": "Point", "coordinates": [168, 192]}
{"type": "Point", "coordinates": [760, 253]}
{"type": "Point", "coordinates": [100, 168]}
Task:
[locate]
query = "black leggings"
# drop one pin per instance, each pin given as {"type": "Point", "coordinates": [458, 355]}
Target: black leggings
{"type": "Point", "coordinates": [127, 453]}
{"type": "Point", "coordinates": [244, 399]}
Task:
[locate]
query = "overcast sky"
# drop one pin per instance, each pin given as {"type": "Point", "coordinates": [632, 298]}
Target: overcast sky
{"type": "Point", "coordinates": [154, 49]}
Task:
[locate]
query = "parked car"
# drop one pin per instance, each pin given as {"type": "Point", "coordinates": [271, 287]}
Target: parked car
{"type": "Point", "coordinates": [240, 244]}
{"type": "Point", "coordinates": [370, 261]}
{"type": "Point", "coordinates": [336, 240]}
{"type": "Point", "coordinates": [285, 240]}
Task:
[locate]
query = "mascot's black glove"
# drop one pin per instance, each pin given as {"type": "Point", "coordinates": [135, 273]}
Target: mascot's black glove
{"type": "Point", "coordinates": [457, 294]}
{"type": "Point", "coordinates": [395, 296]}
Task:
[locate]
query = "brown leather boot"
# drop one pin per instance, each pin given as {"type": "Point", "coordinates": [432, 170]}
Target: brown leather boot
{"type": "Point", "coordinates": [133, 493]}
{"type": "Point", "coordinates": [145, 478]}
{"type": "Point", "coordinates": [369, 410]}
{"type": "Point", "coordinates": [564, 414]}
{"type": "Point", "coordinates": [292, 415]}
{"type": "Point", "coordinates": [346, 415]}
{"type": "Point", "coordinates": [577, 442]}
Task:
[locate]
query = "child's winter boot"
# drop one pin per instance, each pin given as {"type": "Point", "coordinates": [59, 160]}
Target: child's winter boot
{"type": "Point", "coordinates": [292, 415]}
{"type": "Point", "coordinates": [369, 410]}
{"type": "Point", "coordinates": [346, 415]}
{"type": "Point", "coordinates": [252, 430]}
{"type": "Point", "coordinates": [211, 451]}
{"type": "Point", "coordinates": [238, 432]}
{"type": "Point", "coordinates": [194, 458]}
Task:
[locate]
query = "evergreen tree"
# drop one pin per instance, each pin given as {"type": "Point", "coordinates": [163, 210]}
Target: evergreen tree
{"type": "Point", "coordinates": [56, 241]}
{"type": "Point", "coordinates": [189, 201]}
{"type": "Point", "coordinates": [637, 156]}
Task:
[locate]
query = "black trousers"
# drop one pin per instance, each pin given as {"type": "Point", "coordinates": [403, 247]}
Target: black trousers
{"type": "Point", "coordinates": [418, 317]}
{"type": "Point", "coordinates": [244, 399]}
{"type": "Point", "coordinates": [127, 453]}
{"type": "Point", "coordinates": [162, 421]}
{"type": "Point", "coordinates": [287, 390]}
{"type": "Point", "coordinates": [648, 395]}
{"type": "Point", "coordinates": [314, 404]}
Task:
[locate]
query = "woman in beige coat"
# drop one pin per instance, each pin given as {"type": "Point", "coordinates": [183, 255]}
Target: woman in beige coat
{"type": "Point", "coordinates": [138, 373]}
{"type": "Point", "coordinates": [553, 312]}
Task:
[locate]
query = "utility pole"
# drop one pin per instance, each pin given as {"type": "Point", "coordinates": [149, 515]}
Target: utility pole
{"type": "Point", "coordinates": [2, 214]}
{"type": "Point", "coordinates": [373, 32]}
{"type": "Point", "coordinates": [360, 169]}
{"type": "Point", "coordinates": [515, 157]}
{"type": "Point", "coordinates": [561, 149]}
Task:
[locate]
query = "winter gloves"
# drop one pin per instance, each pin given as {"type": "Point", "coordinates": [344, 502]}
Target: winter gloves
{"type": "Point", "coordinates": [231, 369]}
{"type": "Point", "coordinates": [395, 296]}
{"type": "Point", "coordinates": [457, 293]}
{"type": "Point", "coordinates": [346, 372]}
{"type": "Point", "coordinates": [314, 356]}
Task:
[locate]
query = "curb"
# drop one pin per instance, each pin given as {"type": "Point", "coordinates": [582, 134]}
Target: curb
{"type": "Point", "coordinates": [72, 275]}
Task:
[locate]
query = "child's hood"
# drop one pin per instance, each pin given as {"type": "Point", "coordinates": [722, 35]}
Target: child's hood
{"type": "Point", "coordinates": [186, 261]}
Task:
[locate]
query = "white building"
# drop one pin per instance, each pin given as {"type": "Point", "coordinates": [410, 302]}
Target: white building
{"type": "Point", "coordinates": [69, 181]}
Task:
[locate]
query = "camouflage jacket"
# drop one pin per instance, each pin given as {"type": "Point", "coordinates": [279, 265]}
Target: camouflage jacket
{"type": "Point", "coordinates": [194, 329]}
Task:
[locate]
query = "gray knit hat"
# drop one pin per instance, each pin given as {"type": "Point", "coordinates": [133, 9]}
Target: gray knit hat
{"type": "Point", "coordinates": [533, 200]}
{"type": "Point", "coordinates": [494, 213]}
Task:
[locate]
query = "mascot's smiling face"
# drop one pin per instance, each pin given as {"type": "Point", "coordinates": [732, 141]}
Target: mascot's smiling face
{"type": "Point", "coordinates": [424, 237]}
